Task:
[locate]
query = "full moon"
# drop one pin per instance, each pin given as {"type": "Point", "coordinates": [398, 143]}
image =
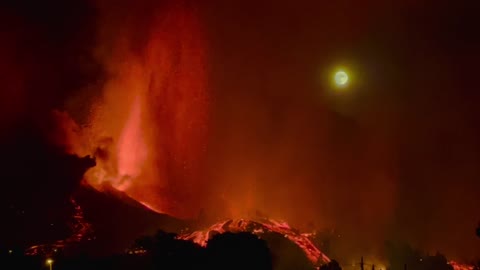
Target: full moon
{"type": "Point", "coordinates": [341, 78]}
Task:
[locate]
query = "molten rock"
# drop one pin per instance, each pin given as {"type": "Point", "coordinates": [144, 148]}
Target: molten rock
{"type": "Point", "coordinates": [259, 227]}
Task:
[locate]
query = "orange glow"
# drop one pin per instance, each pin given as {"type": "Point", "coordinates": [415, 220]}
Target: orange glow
{"type": "Point", "coordinates": [132, 149]}
{"type": "Point", "coordinates": [258, 227]}
{"type": "Point", "coordinates": [81, 230]}
{"type": "Point", "coordinates": [458, 266]}
{"type": "Point", "coordinates": [147, 131]}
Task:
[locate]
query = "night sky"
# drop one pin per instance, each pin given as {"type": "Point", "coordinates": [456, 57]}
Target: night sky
{"type": "Point", "coordinates": [392, 156]}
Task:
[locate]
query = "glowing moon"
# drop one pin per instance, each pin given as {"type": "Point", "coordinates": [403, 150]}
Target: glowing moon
{"type": "Point", "coordinates": [341, 78]}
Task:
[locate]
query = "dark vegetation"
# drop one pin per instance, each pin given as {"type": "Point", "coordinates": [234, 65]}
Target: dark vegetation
{"type": "Point", "coordinates": [224, 251]}
{"type": "Point", "coordinates": [402, 255]}
{"type": "Point", "coordinates": [164, 251]}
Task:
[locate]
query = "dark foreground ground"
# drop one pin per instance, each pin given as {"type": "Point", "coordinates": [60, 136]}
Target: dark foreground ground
{"type": "Point", "coordinates": [224, 251]}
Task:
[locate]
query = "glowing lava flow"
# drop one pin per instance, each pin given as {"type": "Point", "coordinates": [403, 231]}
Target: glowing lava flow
{"type": "Point", "coordinates": [458, 266]}
{"type": "Point", "coordinates": [81, 229]}
{"type": "Point", "coordinates": [259, 227]}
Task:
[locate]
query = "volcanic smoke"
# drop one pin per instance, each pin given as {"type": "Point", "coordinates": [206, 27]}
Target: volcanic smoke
{"type": "Point", "coordinates": [147, 129]}
{"type": "Point", "coordinates": [132, 76]}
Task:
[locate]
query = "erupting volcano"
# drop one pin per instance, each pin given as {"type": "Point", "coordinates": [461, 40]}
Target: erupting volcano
{"type": "Point", "coordinates": [147, 129]}
{"type": "Point", "coordinates": [122, 119]}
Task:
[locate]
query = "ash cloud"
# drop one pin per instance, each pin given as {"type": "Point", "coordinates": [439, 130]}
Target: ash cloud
{"type": "Point", "coordinates": [151, 104]}
{"type": "Point", "coordinates": [391, 159]}
{"type": "Point", "coordinates": [394, 160]}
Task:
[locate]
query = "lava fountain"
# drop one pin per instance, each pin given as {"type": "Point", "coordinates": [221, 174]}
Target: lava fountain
{"type": "Point", "coordinates": [147, 129]}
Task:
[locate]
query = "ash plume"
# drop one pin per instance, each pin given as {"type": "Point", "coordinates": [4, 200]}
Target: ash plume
{"type": "Point", "coordinates": [188, 106]}
{"type": "Point", "coordinates": [146, 126]}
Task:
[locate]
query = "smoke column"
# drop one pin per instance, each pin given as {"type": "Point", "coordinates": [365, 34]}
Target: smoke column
{"type": "Point", "coordinates": [275, 154]}
{"type": "Point", "coordinates": [148, 126]}
{"type": "Point", "coordinates": [273, 143]}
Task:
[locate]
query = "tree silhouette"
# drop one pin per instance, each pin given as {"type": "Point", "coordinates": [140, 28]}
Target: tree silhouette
{"type": "Point", "coordinates": [333, 265]}
{"type": "Point", "coordinates": [238, 251]}
{"type": "Point", "coordinates": [438, 261]}
{"type": "Point", "coordinates": [166, 252]}
{"type": "Point", "coordinates": [285, 254]}
{"type": "Point", "coordinates": [400, 255]}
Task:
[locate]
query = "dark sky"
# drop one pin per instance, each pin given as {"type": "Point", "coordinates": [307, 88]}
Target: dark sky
{"type": "Point", "coordinates": [394, 156]}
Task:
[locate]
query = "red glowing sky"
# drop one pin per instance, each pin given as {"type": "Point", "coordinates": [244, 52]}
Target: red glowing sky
{"type": "Point", "coordinates": [223, 107]}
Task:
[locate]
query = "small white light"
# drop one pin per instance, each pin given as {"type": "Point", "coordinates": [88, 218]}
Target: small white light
{"type": "Point", "coordinates": [341, 78]}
